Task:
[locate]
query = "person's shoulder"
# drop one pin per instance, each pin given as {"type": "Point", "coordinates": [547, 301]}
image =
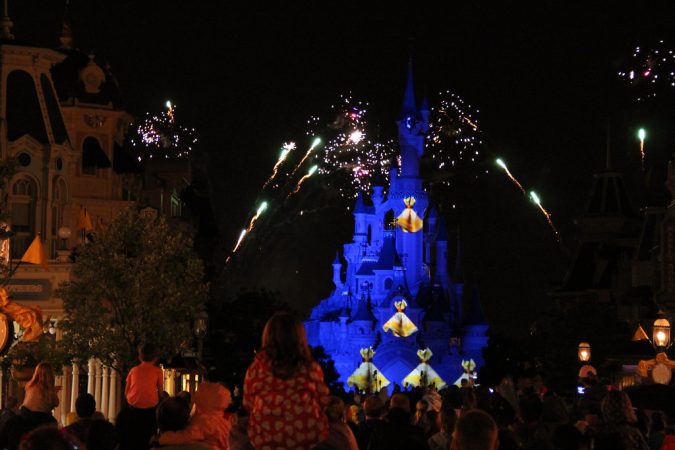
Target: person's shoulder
{"type": "Point", "coordinates": [314, 367]}
{"type": "Point", "coordinates": [261, 359]}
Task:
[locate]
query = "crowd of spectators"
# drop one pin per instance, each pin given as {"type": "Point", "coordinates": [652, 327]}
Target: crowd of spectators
{"type": "Point", "coordinates": [285, 404]}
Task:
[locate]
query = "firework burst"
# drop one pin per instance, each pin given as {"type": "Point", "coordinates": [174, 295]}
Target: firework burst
{"type": "Point", "coordinates": [351, 148]}
{"type": "Point", "coordinates": [454, 137]}
{"type": "Point", "coordinates": [650, 71]}
{"type": "Point", "coordinates": [159, 136]}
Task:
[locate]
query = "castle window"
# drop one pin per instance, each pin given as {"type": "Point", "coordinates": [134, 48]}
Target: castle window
{"type": "Point", "coordinates": [370, 234]}
{"type": "Point", "coordinates": [24, 159]}
{"type": "Point", "coordinates": [388, 282]}
{"type": "Point", "coordinates": [53, 110]}
{"type": "Point", "coordinates": [93, 156]}
{"type": "Point", "coordinates": [24, 115]}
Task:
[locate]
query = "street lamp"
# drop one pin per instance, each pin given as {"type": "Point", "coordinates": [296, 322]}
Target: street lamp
{"type": "Point", "coordinates": [661, 334]}
{"type": "Point", "coordinates": [660, 367]}
{"type": "Point", "coordinates": [584, 352]}
{"type": "Point", "coordinates": [200, 328]}
{"type": "Point", "coordinates": [64, 234]}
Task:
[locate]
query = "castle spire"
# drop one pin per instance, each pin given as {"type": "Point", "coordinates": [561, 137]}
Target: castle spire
{"type": "Point", "coordinates": [6, 25]}
{"type": "Point", "coordinates": [66, 37]}
{"type": "Point", "coordinates": [409, 103]}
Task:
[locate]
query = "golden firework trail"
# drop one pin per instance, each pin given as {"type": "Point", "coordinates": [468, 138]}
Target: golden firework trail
{"type": "Point", "coordinates": [501, 164]}
{"type": "Point", "coordinates": [535, 198]}
{"type": "Point", "coordinates": [287, 147]}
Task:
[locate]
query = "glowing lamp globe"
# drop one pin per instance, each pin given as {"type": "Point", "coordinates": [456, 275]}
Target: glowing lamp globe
{"type": "Point", "coordinates": [661, 333]}
{"type": "Point", "coordinates": [64, 232]}
{"type": "Point", "coordinates": [584, 352]}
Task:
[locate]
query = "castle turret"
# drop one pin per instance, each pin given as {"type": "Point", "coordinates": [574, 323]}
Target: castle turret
{"type": "Point", "coordinates": [378, 195]}
{"type": "Point", "coordinates": [441, 274]}
{"type": "Point", "coordinates": [411, 130]}
{"type": "Point", "coordinates": [337, 268]}
{"type": "Point", "coordinates": [360, 219]}
{"type": "Point", "coordinates": [430, 228]}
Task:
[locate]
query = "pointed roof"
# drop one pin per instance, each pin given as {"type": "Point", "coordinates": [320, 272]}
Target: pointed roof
{"type": "Point", "coordinates": [409, 106]}
{"type": "Point", "coordinates": [608, 196]}
{"type": "Point", "coordinates": [337, 261]}
{"type": "Point", "coordinates": [388, 255]}
{"type": "Point", "coordinates": [363, 311]}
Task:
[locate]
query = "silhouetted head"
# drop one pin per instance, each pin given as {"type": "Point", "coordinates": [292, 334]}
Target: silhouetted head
{"type": "Point", "coordinates": [475, 430]}
{"type": "Point", "coordinates": [85, 405]}
{"type": "Point", "coordinates": [373, 407]}
{"type": "Point", "coordinates": [400, 401]}
{"type": "Point", "coordinates": [285, 342]}
{"type": "Point", "coordinates": [147, 352]}
{"type": "Point", "coordinates": [172, 414]}
{"type": "Point", "coordinates": [102, 436]}
{"type": "Point", "coordinates": [335, 411]}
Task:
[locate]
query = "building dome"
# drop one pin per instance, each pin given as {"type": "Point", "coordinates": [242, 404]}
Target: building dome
{"type": "Point", "coordinates": [79, 77]}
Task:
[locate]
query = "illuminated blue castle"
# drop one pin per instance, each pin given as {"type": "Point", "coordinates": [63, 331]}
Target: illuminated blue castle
{"type": "Point", "coordinates": [399, 252]}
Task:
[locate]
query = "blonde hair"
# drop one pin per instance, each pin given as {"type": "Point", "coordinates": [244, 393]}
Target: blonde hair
{"type": "Point", "coordinates": [43, 378]}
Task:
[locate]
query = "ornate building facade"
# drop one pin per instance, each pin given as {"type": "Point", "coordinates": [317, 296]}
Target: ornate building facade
{"type": "Point", "coordinates": [397, 295]}
{"type": "Point", "coordinates": [63, 123]}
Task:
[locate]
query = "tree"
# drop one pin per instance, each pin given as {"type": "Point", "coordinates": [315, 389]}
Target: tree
{"type": "Point", "coordinates": [139, 281]}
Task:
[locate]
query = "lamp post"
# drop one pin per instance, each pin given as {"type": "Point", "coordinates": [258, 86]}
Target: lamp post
{"type": "Point", "coordinates": [584, 352]}
{"type": "Point", "coordinates": [200, 328]}
{"type": "Point", "coordinates": [661, 334]}
{"type": "Point", "coordinates": [584, 357]}
{"type": "Point", "coordinates": [64, 234]}
{"type": "Point", "coordinates": [660, 367]}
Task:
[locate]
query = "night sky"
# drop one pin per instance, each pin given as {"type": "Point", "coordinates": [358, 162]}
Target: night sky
{"type": "Point", "coordinates": [543, 77]}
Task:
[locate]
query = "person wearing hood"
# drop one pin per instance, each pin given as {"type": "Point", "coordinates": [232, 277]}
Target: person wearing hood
{"type": "Point", "coordinates": [209, 423]}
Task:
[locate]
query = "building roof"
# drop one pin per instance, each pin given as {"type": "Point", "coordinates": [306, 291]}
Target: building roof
{"type": "Point", "coordinates": [363, 311]}
{"type": "Point", "coordinates": [409, 107]}
{"type": "Point", "coordinates": [366, 267]}
{"type": "Point", "coordinates": [388, 255]}
{"type": "Point", "coordinates": [68, 80]}
{"type": "Point", "coordinates": [608, 195]}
